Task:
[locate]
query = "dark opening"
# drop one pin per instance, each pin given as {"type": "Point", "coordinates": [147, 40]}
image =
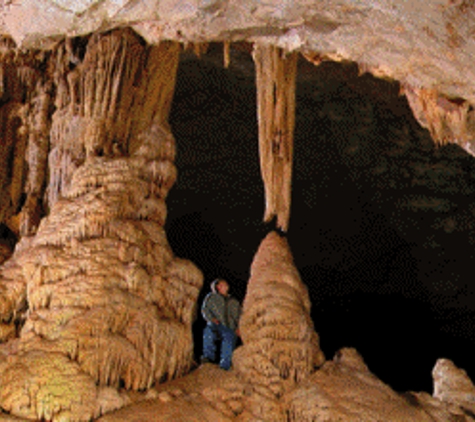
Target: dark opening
{"type": "Point", "coordinates": [381, 220]}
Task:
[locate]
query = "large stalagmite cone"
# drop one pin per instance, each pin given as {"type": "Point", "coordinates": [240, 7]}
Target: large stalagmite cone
{"type": "Point", "coordinates": [109, 304]}
{"type": "Point", "coordinates": [280, 347]}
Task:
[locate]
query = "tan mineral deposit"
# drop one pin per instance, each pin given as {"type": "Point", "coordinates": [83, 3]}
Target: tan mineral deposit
{"type": "Point", "coordinates": [96, 310]}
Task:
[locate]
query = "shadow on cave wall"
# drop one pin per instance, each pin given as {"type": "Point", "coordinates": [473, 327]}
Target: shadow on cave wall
{"type": "Point", "coordinates": [380, 222]}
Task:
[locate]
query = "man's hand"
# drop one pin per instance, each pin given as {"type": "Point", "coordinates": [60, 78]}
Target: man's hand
{"type": "Point", "coordinates": [215, 321]}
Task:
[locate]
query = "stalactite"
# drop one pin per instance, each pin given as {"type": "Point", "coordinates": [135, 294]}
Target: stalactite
{"type": "Point", "coordinates": [154, 96]}
{"type": "Point", "coordinates": [313, 58]}
{"type": "Point", "coordinates": [21, 72]}
{"type": "Point", "coordinates": [94, 103]}
{"type": "Point", "coordinates": [106, 88]}
{"type": "Point", "coordinates": [275, 78]}
{"type": "Point", "coordinates": [227, 53]}
{"type": "Point", "coordinates": [200, 48]}
{"type": "Point", "coordinates": [448, 120]}
{"type": "Point", "coordinates": [15, 135]}
{"type": "Point", "coordinates": [37, 158]}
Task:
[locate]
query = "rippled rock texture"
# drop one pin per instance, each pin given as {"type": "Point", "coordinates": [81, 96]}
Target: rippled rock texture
{"type": "Point", "coordinates": [94, 293]}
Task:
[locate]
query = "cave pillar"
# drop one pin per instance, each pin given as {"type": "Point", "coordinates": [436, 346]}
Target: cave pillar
{"type": "Point", "coordinates": [109, 305]}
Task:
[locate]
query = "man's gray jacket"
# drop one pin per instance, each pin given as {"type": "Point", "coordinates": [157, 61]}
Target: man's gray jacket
{"type": "Point", "coordinates": [226, 309]}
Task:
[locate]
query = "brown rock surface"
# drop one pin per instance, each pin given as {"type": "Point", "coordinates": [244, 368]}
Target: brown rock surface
{"type": "Point", "coordinates": [345, 390]}
{"type": "Point", "coordinates": [97, 292]}
{"type": "Point", "coordinates": [93, 291]}
{"type": "Point", "coordinates": [280, 347]}
{"type": "Point", "coordinates": [207, 394]}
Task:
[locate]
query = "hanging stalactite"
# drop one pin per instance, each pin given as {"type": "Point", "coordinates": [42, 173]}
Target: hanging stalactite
{"type": "Point", "coordinates": [275, 77]}
{"type": "Point", "coordinates": [226, 54]}
{"type": "Point", "coordinates": [449, 120]}
{"type": "Point", "coordinates": [37, 158]}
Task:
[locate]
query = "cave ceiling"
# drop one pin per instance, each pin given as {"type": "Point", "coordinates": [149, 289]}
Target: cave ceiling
{"type": "Point", "coordinates": [420, 43]}
{"type": "Point", "coordinates": [426, 46]}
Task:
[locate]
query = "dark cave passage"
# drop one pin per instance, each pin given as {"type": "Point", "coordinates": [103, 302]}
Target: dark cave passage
{"type": "Point", "coordinates": [380, 220]}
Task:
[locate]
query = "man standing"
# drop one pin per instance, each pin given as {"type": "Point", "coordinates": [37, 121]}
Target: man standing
{"type": "Point", "coordinates": [221, 312]}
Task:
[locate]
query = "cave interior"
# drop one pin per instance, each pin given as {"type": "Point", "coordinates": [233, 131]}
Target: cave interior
{"type": "Point", "coordinates": [381, 219]}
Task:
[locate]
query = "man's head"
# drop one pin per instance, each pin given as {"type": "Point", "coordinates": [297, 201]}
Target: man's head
{"type": "Point", "coordinates": [221, 287]}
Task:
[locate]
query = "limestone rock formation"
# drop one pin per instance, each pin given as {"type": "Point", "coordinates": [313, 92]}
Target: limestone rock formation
{"type": "Point", "coordinates": [280, 347]}
{"type": "Point", "coordinates": [207, 394]}
{"type": "Point", "coordinates": [275, 79]}
{"type": "Point", "coordinates": [453, 386]}
{"type": "Point", "coordinates": [93, 299]}
{"type": "Point", "coordinates": [279, 373]}
{"type": "Point", "coordinates": [424, 45]}
{"type": "Point", "coordinates": [448, 120]}
{"type": "Point", "coordinates": [98, 274]}
{"type": "Point", "coordinates": [25, 100]}
{"type": "Point", "coordinates": [345, 390]}
{"type": "Point", "coordinates": [280, 350]}
{"type": "Point", "coordinates": [392, 38]}
{"type": "Point", "coordinates": [95, 293]}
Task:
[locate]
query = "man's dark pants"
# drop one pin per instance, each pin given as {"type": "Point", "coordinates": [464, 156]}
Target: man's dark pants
{"type": "Point", "coordinates": [211, 335]}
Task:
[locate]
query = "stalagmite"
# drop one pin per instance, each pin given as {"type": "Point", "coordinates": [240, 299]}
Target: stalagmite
{"type": "Point", "coordinates": [275, 78]}
{"type": "Point", "coordinates": [345, 390]}
{"type": "Point", "coordinates": [453, 386]}
{"type": "Point", "coordinates": [280, 347]}
{"type": "Point", "coordinates": [95, 295]}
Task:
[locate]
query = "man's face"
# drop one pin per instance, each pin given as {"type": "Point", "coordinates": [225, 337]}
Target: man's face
{"type": "Point", "coordinates": [222, 287]}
